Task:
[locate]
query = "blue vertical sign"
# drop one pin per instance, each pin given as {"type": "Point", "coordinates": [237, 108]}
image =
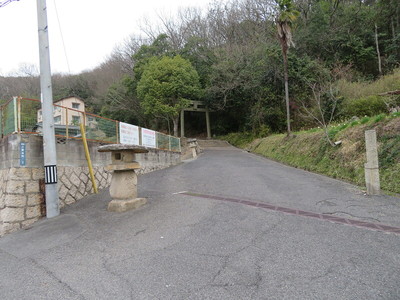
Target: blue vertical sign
{"type": "Point", "coordinates": [22, 154]}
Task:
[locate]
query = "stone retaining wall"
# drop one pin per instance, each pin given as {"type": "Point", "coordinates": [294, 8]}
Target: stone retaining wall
{"type": "Point", "coordinates": [21, 202]}
{"type": "Point", "coordinates": [74, 183]}
{"type": "Point", "coordinates": [22, 187]}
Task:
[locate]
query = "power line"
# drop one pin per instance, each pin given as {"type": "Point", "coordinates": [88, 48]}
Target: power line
{"type": "Point", "coordinates": [62, 37]}
{"type": "Point", "coordinates": [2, 4]}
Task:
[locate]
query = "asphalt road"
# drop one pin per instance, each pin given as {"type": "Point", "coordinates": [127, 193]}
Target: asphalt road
{"type": "Point", "coordinates": [207, 246]}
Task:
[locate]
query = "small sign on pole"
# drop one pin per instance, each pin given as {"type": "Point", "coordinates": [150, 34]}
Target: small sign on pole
{"type": "Point", "coordinates": [22, 154]}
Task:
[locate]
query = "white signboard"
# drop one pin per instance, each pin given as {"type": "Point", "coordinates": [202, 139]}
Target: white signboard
{"type": "Point", "coordinates": [128, 134]}
{"type": "Point", "coordinates": [148, 138]}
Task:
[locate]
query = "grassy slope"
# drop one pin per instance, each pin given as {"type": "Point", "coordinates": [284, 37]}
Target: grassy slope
{"type": "Point", "coordinates": [309, 150]}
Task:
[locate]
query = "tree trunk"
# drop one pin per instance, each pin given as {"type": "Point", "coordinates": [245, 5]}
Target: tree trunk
{"type": "Point", "coordinates": [326, 132]}
{"type": "Point", "coordinates": [377, 50]}
{"type": "Point", "coordinates": [285, 65]}
{"type": "Point", "coordinates": [176, 122]}
{"type": "Point", "coordinates": [393, 30]}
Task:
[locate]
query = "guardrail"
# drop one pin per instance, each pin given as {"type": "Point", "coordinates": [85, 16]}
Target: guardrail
{"type": "Point", "coordinates": [23, 115]}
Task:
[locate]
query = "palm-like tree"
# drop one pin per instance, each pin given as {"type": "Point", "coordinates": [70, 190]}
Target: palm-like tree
{"type": "Point", "coordinates": [284, 22]}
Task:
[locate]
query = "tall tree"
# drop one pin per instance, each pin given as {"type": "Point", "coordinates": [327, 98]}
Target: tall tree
{"type": "Point", "coordinates": [166, 86]}
{"type": "Point", "coordinates": [284, 22]}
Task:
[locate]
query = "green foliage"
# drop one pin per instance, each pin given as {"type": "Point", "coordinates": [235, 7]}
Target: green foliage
{"type": "Point", "coordinates": [389, 152]}
{"type": "Point", "coordinates": [287, 11]}
{"type": "Point", "coordinates": [167, 85]}
{"type": "Point", "coordinates": [122, 104]}
{"type": "Point", "coordinates": [335, 129]}
{"type": "Point", "coordinates": [395, 114]}
{"type": "Point", "coordinates": [74, 86]}
{"type": "Point", "coordinates": [240, 139]}
{"type": "Point", "coordinates": [263, 131]}
{"type": "Point", "coordinates": [201, 57]}
{"type": "Point", "coordinates": [158, 48]}
{"type": "Point", "coordinates": [364, 120]}
{"type": "Point", "coordinates": [354, 123]}
{"type": "Point", "coordinates": [365, 106]}
{"type": "Point", "coordinates": [378, 118]}
{"type": "Point", "coordinates": [313, 130]}
{"type": "Point", "coordinates": [338, 31]}
{"type": "Point", "coordinates": [359, 89]}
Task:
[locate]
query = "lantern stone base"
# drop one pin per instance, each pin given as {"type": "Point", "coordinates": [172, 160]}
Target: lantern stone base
{"type": "Point", "coordinates": [123, 190]}
{"type": "Point", "coordinates": [125, 205]}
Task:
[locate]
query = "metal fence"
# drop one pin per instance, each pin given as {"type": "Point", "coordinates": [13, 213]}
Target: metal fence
{"type": "Point", "coordinates": [23, 115]}
{"type": "Point", "coordinates": [8, 119]}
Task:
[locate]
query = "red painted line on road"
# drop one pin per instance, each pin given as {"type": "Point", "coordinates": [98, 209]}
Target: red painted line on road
{"type": "Point", "coordinates": [302, 213]}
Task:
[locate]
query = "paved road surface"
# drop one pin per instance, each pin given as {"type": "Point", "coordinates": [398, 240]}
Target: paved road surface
{"type": "Point", "coordinates": [236, 238]}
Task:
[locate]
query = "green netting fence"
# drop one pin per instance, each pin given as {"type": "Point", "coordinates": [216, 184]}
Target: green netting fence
{"type": "Point", "coordinates": [162, 141]}
{"type": "Point", "coordinates": [1, 121]}
{"type": "Point", "coordinates": [24, 115]}
{"type": "Point", "coordinates": [9, 118]}
{"type": "Point", "coordinates": [167, 142]}
{"type": "Point", "coordinates": [175, 144]}
{"type": "Point", "coordinates": [101, 129]}
{"type": "Point", "coordinates": [29, 110]}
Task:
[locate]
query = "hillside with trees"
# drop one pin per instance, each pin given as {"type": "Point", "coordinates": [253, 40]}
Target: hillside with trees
{"type": "Point", "coordinates": [259, 64]}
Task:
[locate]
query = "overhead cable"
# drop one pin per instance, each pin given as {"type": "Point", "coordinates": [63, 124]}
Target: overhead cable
{"type": "Point", "coordinates": [4, 3]}
{"type": "Point", "coordinates": [62, 37]}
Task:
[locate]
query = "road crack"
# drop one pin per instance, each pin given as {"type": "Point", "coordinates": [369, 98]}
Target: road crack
{"type": "Point", "coordinates": [54, 276]}
{"type": "Point", "coordinates": [351, 215]}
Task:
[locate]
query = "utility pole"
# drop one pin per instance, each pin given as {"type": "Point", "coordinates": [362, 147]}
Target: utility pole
{"type": "Point", "coordinates": [49, 141]}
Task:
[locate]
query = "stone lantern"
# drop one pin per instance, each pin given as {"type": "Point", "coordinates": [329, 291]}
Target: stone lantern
{"type": "Point", "coordinates": [123, 189]}
{"type": "Point", "coordinates": [192, 143]}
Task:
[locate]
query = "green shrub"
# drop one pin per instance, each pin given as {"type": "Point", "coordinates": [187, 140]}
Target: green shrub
{"type": "Point", "coordinates": [354, 123]}
{"type": "Point", "coordinates": [263, 131]}
{"type": "Point", "coordinates": [315, 129]}
{"type": "Point", "coordinates": [343, 126]}
{"type": "Point", "coordinates": [396, 114]}
{"type": "Point", "coordinates": [365, 120]}
{"type": "Point", "coordinates": [364, 106]}
{"type": "Point", "coordinates": [333, 132]}
{"type": "Point", "coordinates": [239, 139]}
{"type": "Point", "coordinates": [389, 152]}
{"type": "Point", "coordinates": [355, 90]}
{"type": "Point", "coordinates": [379, 118]}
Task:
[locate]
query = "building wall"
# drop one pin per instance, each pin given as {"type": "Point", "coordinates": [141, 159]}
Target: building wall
{"type": "Point", "coordinates": [22, 187]}
{"type": "Point", "coordinates": [66, 116]}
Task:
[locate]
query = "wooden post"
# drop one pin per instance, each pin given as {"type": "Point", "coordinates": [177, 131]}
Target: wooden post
{"type": "Point", "coordinates": [208, 124]}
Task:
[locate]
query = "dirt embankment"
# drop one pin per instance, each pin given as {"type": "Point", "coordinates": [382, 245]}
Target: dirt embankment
{"type": "Point", "coordinates": [310, 151]}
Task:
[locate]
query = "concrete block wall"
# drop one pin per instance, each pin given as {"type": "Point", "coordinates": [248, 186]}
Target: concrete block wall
{"type": "Point", "coordinates": [22, 187]}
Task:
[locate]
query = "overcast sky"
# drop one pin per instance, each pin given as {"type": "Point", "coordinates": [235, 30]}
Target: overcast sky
{"type": "Point", "coordinates": [91, 29]}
